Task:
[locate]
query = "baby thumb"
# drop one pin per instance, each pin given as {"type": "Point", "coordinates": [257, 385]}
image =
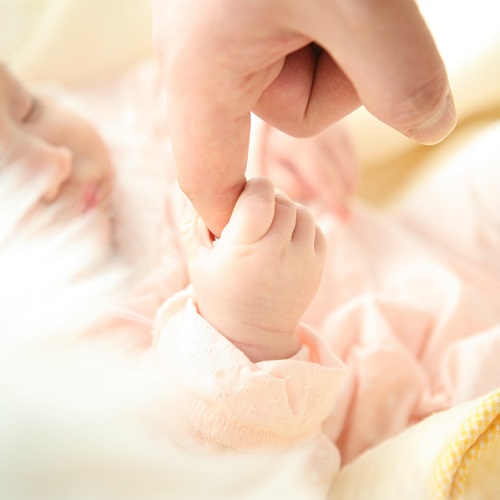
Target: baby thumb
{"type": "Point", "coordinates": [253, 213]}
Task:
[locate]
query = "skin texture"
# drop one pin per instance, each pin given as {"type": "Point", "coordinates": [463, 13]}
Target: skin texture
{"type": "Point", "coordinates": [300, 66]}
{"type": "Point", "coordinates": [255, 282]}
{"type": "Point", "coordinates": [39, 133]}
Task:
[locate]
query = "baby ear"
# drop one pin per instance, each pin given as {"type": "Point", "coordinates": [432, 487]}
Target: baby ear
{"type": "Point", "coordinates": [253, 213]}
{"type": "Point", "coordinates": [195, 235]}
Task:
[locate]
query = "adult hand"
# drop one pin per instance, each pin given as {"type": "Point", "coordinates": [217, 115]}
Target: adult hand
{"type": "Point", "coordinates": [300, 65]}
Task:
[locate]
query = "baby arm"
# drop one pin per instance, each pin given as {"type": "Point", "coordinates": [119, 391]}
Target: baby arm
{"type": "Point", "coordinates": [255, 282]}
{"type": "Point", "coordinates": [242, 373]}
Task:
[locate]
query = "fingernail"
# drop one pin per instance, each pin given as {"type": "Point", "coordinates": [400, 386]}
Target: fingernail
{"type": "Point", "coordinates": [439, 126]}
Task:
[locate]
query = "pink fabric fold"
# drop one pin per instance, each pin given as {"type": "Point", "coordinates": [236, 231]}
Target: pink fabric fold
{"type": "Point", "coordinates": [224, 400]}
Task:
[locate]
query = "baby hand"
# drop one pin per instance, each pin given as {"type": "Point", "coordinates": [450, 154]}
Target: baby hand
{"type": "Point", "coordinates": [254, 283]}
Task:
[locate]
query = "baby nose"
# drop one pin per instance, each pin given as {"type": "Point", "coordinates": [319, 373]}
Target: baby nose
{"type": "Point", "coordinates": [53, 162]}
{"type": "Point", "coordinates": [58, 160]}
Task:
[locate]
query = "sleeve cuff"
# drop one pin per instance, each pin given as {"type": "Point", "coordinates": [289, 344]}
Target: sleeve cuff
{"type": "Point", "coordinates": [218, 397]}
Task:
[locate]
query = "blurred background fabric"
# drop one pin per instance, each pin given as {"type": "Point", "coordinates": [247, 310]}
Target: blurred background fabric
{"type": "Point", "coordinates": [73, 41]}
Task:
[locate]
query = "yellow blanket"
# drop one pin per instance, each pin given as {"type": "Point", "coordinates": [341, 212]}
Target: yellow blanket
{"type": "Point", "coordinates": [450, 455]}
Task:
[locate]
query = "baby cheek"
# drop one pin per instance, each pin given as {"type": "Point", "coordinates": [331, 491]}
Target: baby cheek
{"type": "Point", "coordinates": [31, 152]}
{"type": "Point", "coordinates": [9, 151]}
{"type": "Point", "coordinates": [57, 127]}
{"type": "Point", "coordinates": [15, 146]}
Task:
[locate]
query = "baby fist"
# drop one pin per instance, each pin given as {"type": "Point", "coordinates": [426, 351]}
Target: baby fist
{"type": "Point", "coordinates": [256, 281]}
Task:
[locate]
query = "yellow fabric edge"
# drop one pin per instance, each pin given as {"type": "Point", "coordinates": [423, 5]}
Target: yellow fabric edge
{"type": "Point", "coordinates": [479, 431]}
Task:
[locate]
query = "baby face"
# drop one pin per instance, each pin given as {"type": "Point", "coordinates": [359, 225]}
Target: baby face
{"type": "Point", "coordinates": [39, 133]}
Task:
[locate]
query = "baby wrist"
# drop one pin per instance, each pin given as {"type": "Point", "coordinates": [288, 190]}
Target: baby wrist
{"type": "Point", "coordinates": [256, 342]}
{"type": "Point", "coordinates": [267, 345]}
